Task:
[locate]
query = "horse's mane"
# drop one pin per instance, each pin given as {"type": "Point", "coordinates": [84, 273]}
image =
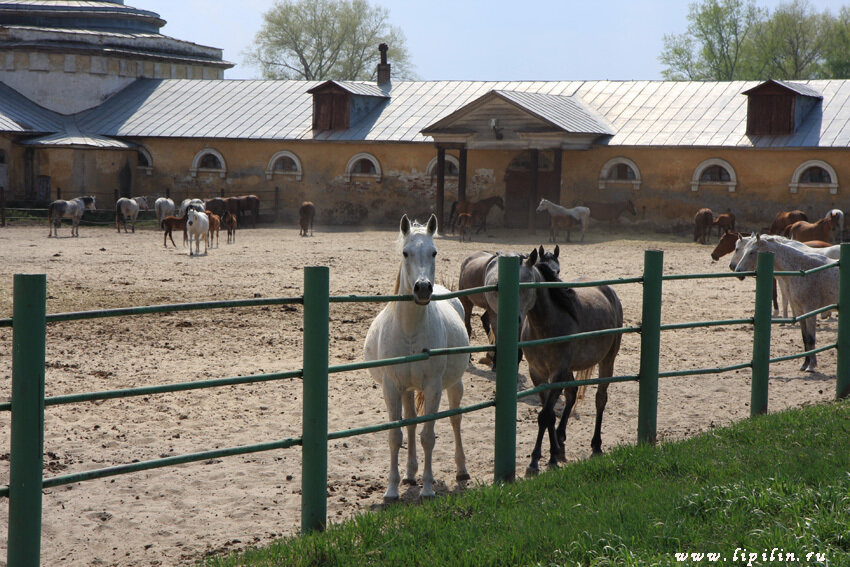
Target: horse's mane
{"type": "Point", "coordinates": [563, 297]}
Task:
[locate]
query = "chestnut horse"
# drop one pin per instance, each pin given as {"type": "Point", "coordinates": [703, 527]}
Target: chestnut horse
{"type": "Point", "coordinates": [168, 224]}
{"type": "Point", "coordinates": [305, 217]}
{"type": "Point", "coordinates": [464, 226]}
{"type": "Point", "coordinates": [215, 227]}
{"type": "Point", "coordinates": [724, 222]}
{"type": "Point", "coordinates": [804, 230]}
{"type": "Point", "coordinates": [702, 225]}
{"type": "Point", "coordinates": [784, 219]}
{"type": "Point", "coordinates": [229, 220]}
{"type": "Point", "coordinates": [479, 211]}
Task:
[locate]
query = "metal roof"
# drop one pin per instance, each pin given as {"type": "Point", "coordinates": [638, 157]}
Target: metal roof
{"type": "Point", "coordinates": [20, 114]}
{"type": "Point", "coordinates": [640, 113]}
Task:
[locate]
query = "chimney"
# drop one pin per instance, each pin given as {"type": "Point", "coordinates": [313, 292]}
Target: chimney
{"type": "Point", "coordinates": [383, 66]}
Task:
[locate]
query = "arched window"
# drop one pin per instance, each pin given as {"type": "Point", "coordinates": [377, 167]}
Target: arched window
{"type": "Point", "coordinates": [814, 174]}
{"type": "Point", "coordinates": [284, 163]}
{"type": "Point", "coordinates": [714, 171]}
{"type": "Point", "coordinates": [144, 161]}
{"type": "Point", "coordinates": [452, 167]}
{"type": "Point", "coordinates": [209, 160]}
{"type": "Point", "coordinates": [618, 171]}
{"type": "Point", "coordinates": [363, 165]}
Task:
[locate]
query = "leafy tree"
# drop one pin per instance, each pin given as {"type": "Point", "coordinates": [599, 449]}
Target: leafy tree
{"type": "Point", "coordinates": [715, 42]}
{"type": "Point", "coordinates": [735, 40]}
{"type": "Point", "coordinates": [327, 39]}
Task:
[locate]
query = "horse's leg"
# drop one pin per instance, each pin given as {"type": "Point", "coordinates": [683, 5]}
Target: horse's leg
{"type": "Point", "coordinates": [776, 299]}
{"type": "Point", "coordinates": [392, 397]}
{"type": "Point", "coordinates": [455, 395]}
{"type": "Point", "coordinates": [409, 411]}
{"type": "Point", "coordinates": [545, 420]}
{"type": "Point", "coordinates": [428, 438]}
{"type": "Point", "coordinates": [558, 449]}
{"type": "Point", "coordinates": [808, 327]}
{"type": "Point", "coordinates": [601, 401]}
{"type": "Point", "coordinates": [467, 314]}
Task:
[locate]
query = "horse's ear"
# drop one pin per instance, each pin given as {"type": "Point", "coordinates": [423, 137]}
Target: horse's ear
{"type": "Point", "coordinates": [557, 251]}
{"type": "Point", "coordinates": [532, 258]}
{"type": "Point", "coordinates": [540, 251]}
{"type": "Point", "coordinates": [405, 225]}
{"type": "Point", "coordinates": [432, 225]}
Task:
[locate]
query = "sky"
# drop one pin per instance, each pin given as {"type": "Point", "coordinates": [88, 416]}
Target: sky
{"type": "Point", "coordinates": [539, 40]}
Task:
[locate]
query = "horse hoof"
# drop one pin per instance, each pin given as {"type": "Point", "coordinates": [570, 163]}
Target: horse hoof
{"type": "Point", "coordinates": [531, 471]}
{"type": "Point", "coordinates": [409, 482]}
{"type": "Point", "coordinates": [390, 499]}
{"type": "Point", "coordinates": [462, 477]}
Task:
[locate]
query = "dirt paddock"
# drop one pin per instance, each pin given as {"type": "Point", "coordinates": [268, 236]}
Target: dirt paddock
{"type": "Point", "coordinates": [178, 515]}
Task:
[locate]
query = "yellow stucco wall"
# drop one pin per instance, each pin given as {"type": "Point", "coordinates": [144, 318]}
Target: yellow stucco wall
{"type": "Point", "coordinates": [664, 195]}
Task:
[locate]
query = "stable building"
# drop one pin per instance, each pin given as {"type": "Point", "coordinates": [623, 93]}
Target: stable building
{"type": "Point", "coordinates": [161, 120]}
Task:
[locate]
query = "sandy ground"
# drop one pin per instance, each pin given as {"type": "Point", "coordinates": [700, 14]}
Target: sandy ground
{"type": "Point", "coordinates": [181, 514]}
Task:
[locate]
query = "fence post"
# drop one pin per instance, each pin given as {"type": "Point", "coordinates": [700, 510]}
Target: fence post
{"type": "Point", "coordinates": [27, 427]}
{"type": "Point", "coordinates": [507, 335]}
{"type": "Point", "coordinates": [650, 346]}
{"type": "Point", "coordinates": [761, 333]}
{"type": "Point", "coordinates": [314, 458]}
{"type": "Point", "coordinates": [842, 382]}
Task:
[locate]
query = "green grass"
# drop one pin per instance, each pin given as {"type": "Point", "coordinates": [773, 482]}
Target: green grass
{"type": "Point", "coordinates": [777, 481]}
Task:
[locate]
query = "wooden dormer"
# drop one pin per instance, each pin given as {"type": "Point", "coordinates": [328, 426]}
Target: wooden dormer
{"type": "Point", "coordinates": [340, 105]}
{"type": "Point", "coordinates": [778, 108]}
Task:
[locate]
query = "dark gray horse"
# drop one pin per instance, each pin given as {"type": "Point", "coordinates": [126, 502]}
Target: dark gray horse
{"type": "Point", "coordinates": [554, 312]}
{"type": "Point", "coordinates": [72, 209]}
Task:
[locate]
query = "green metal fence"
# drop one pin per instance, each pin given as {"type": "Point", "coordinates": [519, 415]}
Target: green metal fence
{"type": "Point", "coordinates": [28, 402]}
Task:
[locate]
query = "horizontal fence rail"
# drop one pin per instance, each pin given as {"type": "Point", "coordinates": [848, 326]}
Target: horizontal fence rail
{"type": "Point", "coordinates": [28, 402]}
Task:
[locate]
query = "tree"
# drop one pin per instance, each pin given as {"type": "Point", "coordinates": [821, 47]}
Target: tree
{"type": "Point", "coordinates": [791, 43]}
{"type": "Point", "coordinates": [327, 39]}
{"type": "Point", "coordinates": [715, 42]}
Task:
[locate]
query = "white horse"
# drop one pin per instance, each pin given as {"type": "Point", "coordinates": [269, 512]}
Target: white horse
{"type": "Point", "coordinates": [837, 222]}
{"type": "Point", "coordinates": [125, 208]}
{"type": "Point", "coordinates": [831, 252]}
{"type": "Point", "coordinates": [404, 328]}
{"type": "Point", "coordinates": [806, 293]}
{"type": "Point", "coordinates": [562, 217]}
{"type": "Point", "coordinates": [196, 204]}
{"type": "Point", "coordinates": [72, 209]}
{"type": "Point", "coordinates": [164, 208]}
{"type": "Point", "coordinates": [197, 227]}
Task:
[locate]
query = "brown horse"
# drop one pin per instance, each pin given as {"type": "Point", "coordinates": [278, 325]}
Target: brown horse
{"type": "Point", "coordinates": [805, 230]}
{"type": "Point", "coordinates": [724, 222]}
{"type": "Point", "coordinates": [215, 226]}
{"type": "Point", "coordinates": [604, 211]}
{"type": "Point", "coordinates": [782, 220]}
{"type": "Point", "coordinates": [702, 225]}
{"type": "Point", "coordinates": [250, 203]}
{"type": "Point", "coordinates": [229, 221]}
{"type": "Point", "coordinates": [464, 225]}
{"type": "Point", "coordinates": [169, 224]}
{"type": "Point", "coordinates": [217, 205]}
{"type": "Point", "coordinates": [305, 217]}
{"type": "Point", "coordinates": [479, 211]}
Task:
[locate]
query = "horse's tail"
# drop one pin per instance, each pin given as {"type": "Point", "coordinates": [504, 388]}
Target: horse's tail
{"type": "Point", "coordinates": [586, 374]}
{"type": "Point", "coordinates": [420, 403]}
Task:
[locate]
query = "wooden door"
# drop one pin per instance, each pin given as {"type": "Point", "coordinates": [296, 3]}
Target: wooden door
{"type": "Point", "coordinates": [519, 181]}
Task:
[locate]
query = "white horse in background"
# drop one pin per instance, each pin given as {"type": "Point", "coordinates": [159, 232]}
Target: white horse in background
{"type": "Point", "coordinates": [164, 207]}
{"type": "Point", "coordinates": [806, 293]}
{"type": "Point", "coordinates": [73, 209]}
{"type": "Point", "coordinates": [196, 204]}
{"type": "Point", "coordinates": [129, 208]}
{"type": "Point", "coordinates": [562, 217]}
{"type": "Point", "coordinates": [837, 223]}
{"type": "Point", "coordinates": [197, 227]}
{"type": "Point", "coordinates": [831, 252]}
{"type": "Point", "coordinates": [408, 327]}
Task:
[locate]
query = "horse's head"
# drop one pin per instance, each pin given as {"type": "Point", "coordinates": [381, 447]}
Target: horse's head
{"type": "Point", "coordinates": [88, 202]}
{"type": "Point", "coordinates": [744, 256]}
{"type": "Point", "coordinates": [550, 258]}
{"type": "Point", "coordinates": [418, 264]}
{"type": "Point", "coordinates": [191, 216]}
{"type": "Point", "coordinates": [542, 206]}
